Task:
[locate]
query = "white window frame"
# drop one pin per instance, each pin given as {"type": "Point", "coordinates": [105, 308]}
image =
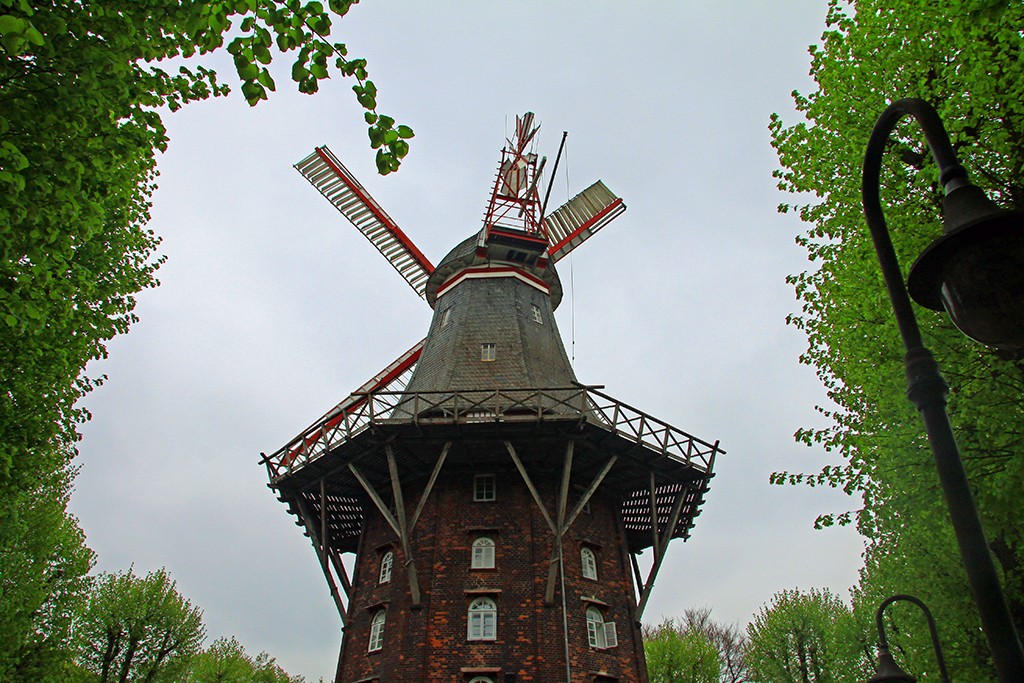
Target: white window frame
{"type": "Point", "coordinates": [482, 620]}
{"type": "Point", "coordinates": [588, 562]}
{"type": "Point", "coordinates": [488, 352]}
{"type": "Point", "coordinates": [483, 553]}
{"type": "Point", "coordinates": [387, 563]}
{"type": "Point", "coordinates": [446, 315]}
{"type": "Point", "coordinates": [600, 634]}
{"type": "Point", "coordinates": [481, 679]}
{"type": "Point", "coordinates": [485, 488]}
{"type": "Point", "coordinates": [377, 631]}
{"type": "Point", "coordinates": [537, 316]}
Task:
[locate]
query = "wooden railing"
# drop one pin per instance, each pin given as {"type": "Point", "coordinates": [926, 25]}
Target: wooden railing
{"type": "Point", "coordinates": [500, 406]}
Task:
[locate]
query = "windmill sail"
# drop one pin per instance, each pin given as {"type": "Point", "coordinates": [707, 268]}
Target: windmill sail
{"type": "Point", "coordinates": [335, 182]}
{"type": "Point", "coordinates": [581, 217]}
{"type": "Point", "coordinates": [320, 436]}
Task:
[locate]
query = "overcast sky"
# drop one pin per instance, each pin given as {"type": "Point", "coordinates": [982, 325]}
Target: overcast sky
{"type": "Point", "coordinates": [272, 307]}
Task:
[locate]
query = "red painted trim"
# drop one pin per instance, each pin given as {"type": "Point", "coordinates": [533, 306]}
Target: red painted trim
{"type": "Point", "coordinates": [524, 235]}
{"type": "Point", "coordinates": [500, 272]}
{"type": "Point", "coordinates": [354, 401]}
{"type": "Point", "coordinates": [378, 212]}
{"type": "Point", "coordinates": [586, 226]}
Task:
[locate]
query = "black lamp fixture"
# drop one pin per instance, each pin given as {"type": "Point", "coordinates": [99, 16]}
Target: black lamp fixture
{"type": "Point", "coordinates": [976, 272]}
{"type": "Point", "coordinates": [887, 670]}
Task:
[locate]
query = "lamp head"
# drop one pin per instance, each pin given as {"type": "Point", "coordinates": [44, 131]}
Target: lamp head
{"type": "Point", "coordinates": [888, 670]}
{"type": "Point", "coordinates": [976, 270]}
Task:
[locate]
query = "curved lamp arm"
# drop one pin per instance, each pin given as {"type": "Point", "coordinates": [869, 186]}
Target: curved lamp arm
{"type": "Point", "coordinates": [884, 642]}
{"type": "Point", "coordinates": [951, 174]}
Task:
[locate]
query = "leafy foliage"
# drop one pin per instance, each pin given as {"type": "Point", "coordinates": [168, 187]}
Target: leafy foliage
{"type": "Point", "coordinates": [43, 584]}
{"type": "Point", "coordinates": [82, 85]}
{"type": "Point", "coordinates": [79, 88]}
{"type": "Point", "coordinates": [678, 655]}
{"type": "Point", "coordinates": [965, 57]}
{"type": "Point", "coordinates": [138, 629]}
{"type": "Point", "coordinates": [226, 661]}
{"type": "Point", "coordinates": [806, 638]}
{"type": "Point", "coordinates": [677, 650]}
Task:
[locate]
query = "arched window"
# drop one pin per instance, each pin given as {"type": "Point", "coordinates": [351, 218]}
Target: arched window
{"type": "Point", "coordinates": [589, 562]}
{"type": "Point", "coordinates": [377, 631]}
{"type": "Point", "coordinates": [481, 679]}
{"type": "Point", "coordinates": [600, 634]}
{"type": "Point", "coordinates": [483, 553]}
{"type": "Point", "coordinates": [482, 622]}
{"type": "Point", "coordinates": [387, 561]}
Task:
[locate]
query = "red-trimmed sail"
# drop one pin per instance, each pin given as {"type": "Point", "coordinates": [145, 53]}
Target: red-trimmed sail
{"type": "Point", "coordinates": [335, 182]}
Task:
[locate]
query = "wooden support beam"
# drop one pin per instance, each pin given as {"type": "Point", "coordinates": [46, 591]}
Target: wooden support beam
{"type": "Point", "coordinates": [430, 486]}
{"type": "Point", "coordinates": [531, 487]}
{"type": "Point", "coordinates": [637, 576]}
{"type": "Point", "coordinates": [403, 530]}
{"type": "Point", "coordinates": [654, 517]}
{"type": "Point", "coordinates": [307, 520]}
{"type": "Point", "coordinates": [666, 536]}
{"type": "Point", "coordinates": [375, 497]}
{"type": "Point", "coordinates": [590, 491]}
{"type": "Point", "coordinates": [556, 551]}
{"type": "Point", "coordinates": [339, 569]}
{"type": "Point", "coordinates": [325, 539]}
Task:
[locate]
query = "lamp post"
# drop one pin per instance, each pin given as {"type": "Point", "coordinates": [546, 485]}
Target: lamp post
{"type": "Point", "coordinates": [951, 272]}
{"type": "Point", "coordinates": [888, 670]}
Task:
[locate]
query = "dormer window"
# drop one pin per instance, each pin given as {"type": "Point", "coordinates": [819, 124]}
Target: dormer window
{"type": "Point", "coordinates": [487, 352]}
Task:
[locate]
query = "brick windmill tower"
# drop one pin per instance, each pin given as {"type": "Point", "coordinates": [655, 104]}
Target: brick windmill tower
{"type": "Point", "coordinates": [495, 505]}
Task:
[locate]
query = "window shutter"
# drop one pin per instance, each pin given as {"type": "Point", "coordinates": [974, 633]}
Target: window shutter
{"type": "Point", "coordinates": [610, 637]}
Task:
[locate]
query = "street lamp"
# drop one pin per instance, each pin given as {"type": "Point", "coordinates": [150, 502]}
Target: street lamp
{"type": "Point", "coordinates": [888, 671]}
{"type": "Point", "coordinates": [954, 272]}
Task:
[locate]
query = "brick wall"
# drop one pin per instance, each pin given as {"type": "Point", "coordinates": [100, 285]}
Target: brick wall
{"type": "Point", "coordinates": [430, 643]}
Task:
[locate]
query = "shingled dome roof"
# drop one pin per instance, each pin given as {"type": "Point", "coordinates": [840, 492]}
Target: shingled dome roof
{"type": "Point", "coordinates": [493, 326]}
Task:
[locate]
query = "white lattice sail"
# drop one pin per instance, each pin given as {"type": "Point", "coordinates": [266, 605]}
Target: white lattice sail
{"type": "Point", "coordinates": [335, 182]}
{"type": "Point", "coordinates": [581, 217]}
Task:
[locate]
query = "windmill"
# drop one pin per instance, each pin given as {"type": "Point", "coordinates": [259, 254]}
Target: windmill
{"type": "Point", "coordinates": [478, 449]}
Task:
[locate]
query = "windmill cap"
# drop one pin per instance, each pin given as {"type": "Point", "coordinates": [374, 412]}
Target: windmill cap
{"type": "Point", "coordinates": [465, 256]}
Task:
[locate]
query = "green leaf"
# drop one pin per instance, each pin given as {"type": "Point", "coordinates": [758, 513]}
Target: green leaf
{"type": "Point", "coordinates": [265, 80]}
{"type": "Point", "coordinates": [11, 24]}
{"type": "Point", "coordinates": [262, 54]}
{"type": "Point", "coordinates": [405, 132]}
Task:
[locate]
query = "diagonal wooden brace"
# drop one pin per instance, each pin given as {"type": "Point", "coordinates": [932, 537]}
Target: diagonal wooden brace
{"type": "Point", "coordinates": [311, 529]}
{"type": "Point", "coordinates": [662, 545]}
{"type": "Point", "coordinates": [561, 523]}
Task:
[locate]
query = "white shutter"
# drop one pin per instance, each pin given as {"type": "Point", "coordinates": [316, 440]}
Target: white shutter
{"type": "Point", "coordinates": [610, 637]}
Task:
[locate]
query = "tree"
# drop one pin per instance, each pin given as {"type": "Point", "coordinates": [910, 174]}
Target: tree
{"type": "Point", "coordinates": [137, 629]}
{"type": "Point", "coordinates": [966, 58]}
{"type": "Point", "coordinates": [676, 654]}
{"type": "Point", "coordinates": [43, 567]}
{"type": "Point", "coordinates": [226, 661]}
{"type": "Point", "coordinates": [676, 645]}
{"type": "Point", "coordinates": [80, 88]}
{"type": "Point", "coordinates": [82, 91]}
{"type": "Point", "coordinates": [805, 638]}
